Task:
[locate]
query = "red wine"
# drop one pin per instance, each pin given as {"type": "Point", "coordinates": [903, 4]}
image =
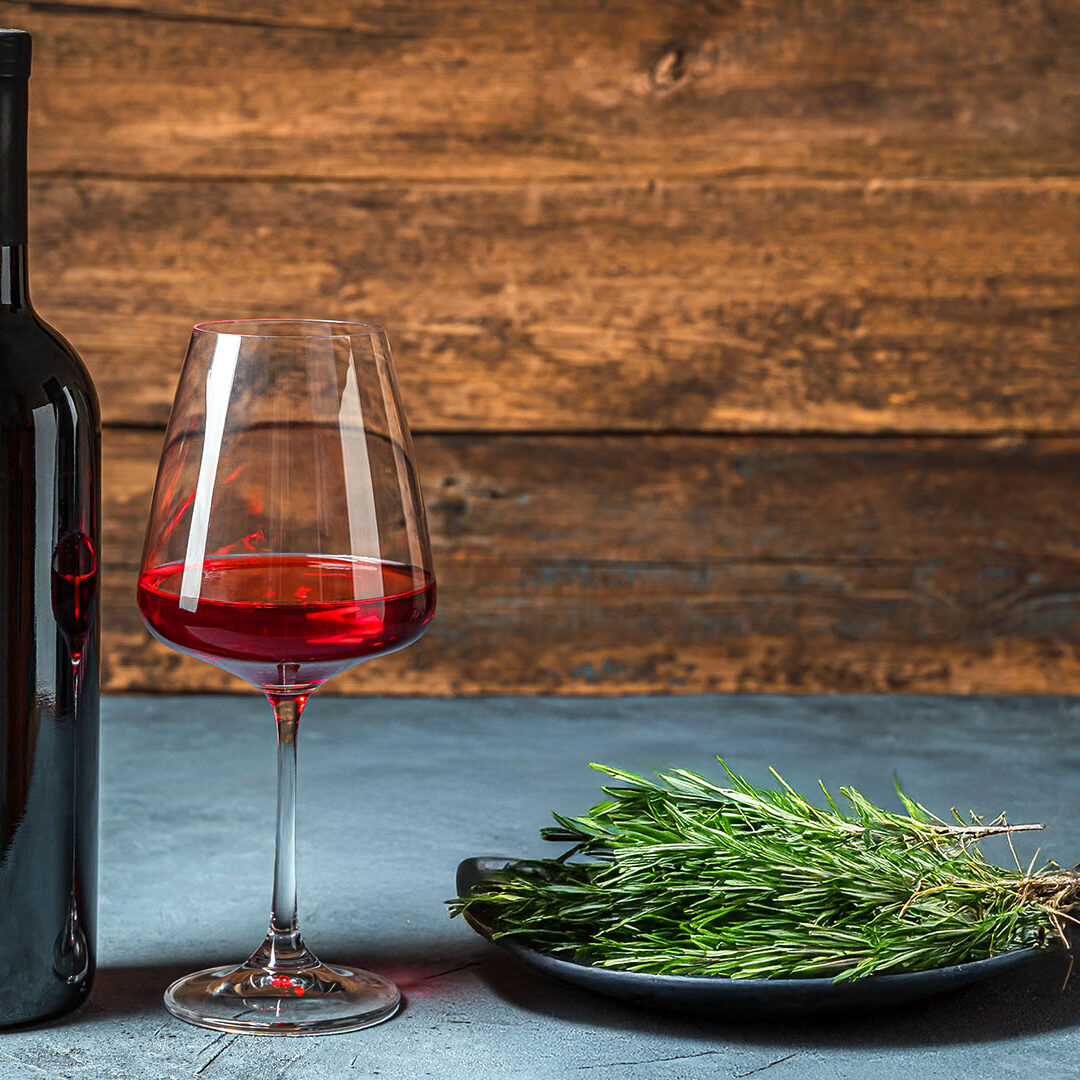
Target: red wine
{"type": "Point", "coordinates": [288, 621]}
{"type": "Point", "coordinates": [49, 523]}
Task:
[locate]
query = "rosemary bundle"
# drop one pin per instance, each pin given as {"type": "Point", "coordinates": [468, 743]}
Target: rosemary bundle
{"type": "Point", "coordinates": [681, 876]}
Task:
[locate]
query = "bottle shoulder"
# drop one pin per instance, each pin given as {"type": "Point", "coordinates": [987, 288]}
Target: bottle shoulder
{"type": "Point", "coordinates": [36, 360]}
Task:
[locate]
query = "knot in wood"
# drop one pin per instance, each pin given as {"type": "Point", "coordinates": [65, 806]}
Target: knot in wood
{"type": "Point", "coordinates": [669, 69]}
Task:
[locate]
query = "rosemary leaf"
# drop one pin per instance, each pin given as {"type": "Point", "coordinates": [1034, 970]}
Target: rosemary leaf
{"type": "Point", "coordinates": [679, 875]}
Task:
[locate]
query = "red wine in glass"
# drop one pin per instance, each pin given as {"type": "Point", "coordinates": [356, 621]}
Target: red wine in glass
{"type": "Point", "coordinates": [287, 542]}
{"type": "Point", "coordinates": [288, 620]}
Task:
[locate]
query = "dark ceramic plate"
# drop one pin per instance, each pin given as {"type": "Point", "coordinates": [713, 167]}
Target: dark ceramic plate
{"type": "Point", "coordinates": [760, 999]}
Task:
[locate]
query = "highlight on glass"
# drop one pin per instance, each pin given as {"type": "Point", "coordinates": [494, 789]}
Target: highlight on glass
{"type": "Point", "coordinates": [287, 543]}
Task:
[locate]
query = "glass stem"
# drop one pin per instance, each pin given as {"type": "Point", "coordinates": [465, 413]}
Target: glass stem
{"type": "Point", "coordinates": [283, 947]}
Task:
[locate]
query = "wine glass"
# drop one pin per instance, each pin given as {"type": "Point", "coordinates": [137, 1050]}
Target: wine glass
{"type": "Point", "coordinates": [287, 542]}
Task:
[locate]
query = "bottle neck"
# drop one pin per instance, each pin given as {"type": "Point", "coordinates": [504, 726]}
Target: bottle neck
{"type": "Point", "coordinates": [14, 279]}
{"type": "Point", "coordinates": [14, 290]}
{"type": "Point", "coordinates": [14, 96]}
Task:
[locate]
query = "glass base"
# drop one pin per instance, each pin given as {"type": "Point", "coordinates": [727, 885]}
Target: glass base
{"type": "Point", "coordinates": [309, 999]}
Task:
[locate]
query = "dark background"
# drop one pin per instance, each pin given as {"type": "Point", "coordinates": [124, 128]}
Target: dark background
{"type": "Point", "coordinates": [739, 338]}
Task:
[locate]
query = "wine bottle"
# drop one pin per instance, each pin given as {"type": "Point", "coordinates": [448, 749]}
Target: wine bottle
{"type": "Point", "coordinates": [50, 450]}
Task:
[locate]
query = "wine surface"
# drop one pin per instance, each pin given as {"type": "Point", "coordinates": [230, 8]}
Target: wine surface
{"type": "Point", "coordinates": [287, 621]}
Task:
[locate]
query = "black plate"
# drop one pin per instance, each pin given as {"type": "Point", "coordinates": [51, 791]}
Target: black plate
{"type": "Point", "coordinates": [743, 998]}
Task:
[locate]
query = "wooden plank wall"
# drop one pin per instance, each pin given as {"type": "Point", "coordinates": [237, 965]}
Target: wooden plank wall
{"type": "Point", "coordinates": [740, 336]}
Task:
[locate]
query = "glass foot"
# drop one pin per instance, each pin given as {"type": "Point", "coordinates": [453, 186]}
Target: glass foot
{"type": "Point", "coordinates": [313, 999]}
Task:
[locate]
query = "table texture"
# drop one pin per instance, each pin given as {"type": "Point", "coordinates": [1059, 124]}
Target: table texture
{"type": "Point", "coordinates": [394, 792]}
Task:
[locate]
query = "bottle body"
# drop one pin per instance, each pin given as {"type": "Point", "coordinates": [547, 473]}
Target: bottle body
{"type": "Point", "coordinates": [49, 491]}
{"type": "Point", "coordinates": [50, 454]}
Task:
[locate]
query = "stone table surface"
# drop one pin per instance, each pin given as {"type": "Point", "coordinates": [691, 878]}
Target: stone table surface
{"type": "Point", "coordinates": [394, 792]}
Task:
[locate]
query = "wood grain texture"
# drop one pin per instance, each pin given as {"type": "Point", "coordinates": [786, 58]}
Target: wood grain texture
{"type": "Point", "coordinates": [737, 306]}
{"type": "Point", "coordinates": [514, 90]}
{"type": "Point", "coordinates": [675, 563]}
{"type": "Point", "coordinates": [606, 238]}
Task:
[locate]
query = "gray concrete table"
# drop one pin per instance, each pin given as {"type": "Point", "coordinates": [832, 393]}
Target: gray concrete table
{"type": "Point", "coordinates": [393, 793]}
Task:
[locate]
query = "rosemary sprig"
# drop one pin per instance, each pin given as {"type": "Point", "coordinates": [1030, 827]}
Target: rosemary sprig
{"type": "Point", "coordinates": [681, 876]}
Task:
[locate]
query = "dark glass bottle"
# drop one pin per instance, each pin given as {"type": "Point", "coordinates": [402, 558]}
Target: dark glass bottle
{"type": "Point", "coordinates": [50, 452]}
